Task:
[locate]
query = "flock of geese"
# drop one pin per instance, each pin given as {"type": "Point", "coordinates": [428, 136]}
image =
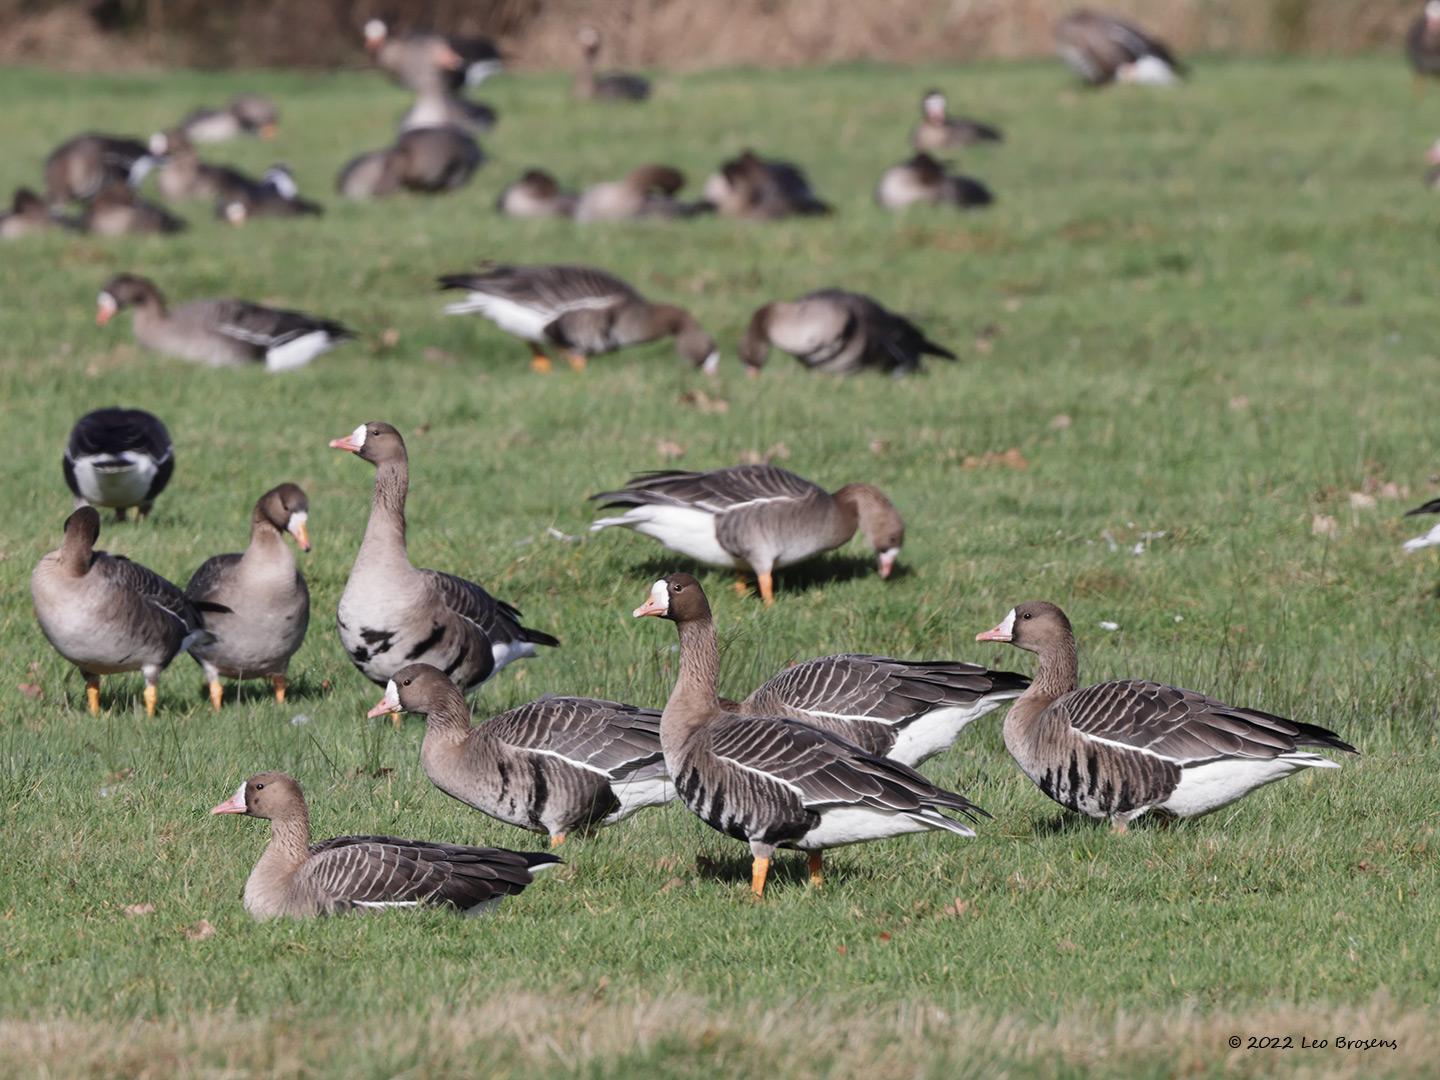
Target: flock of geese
{"type": "Point", "coordinates": [822, 755]}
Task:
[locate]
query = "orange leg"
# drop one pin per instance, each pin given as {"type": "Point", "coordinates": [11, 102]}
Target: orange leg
{"type": "Point", "coordinates": [816, 861]}
{"type": "Point", "coordinates": [758, 872]}
{"type": "Point", "coordinates": [280, 683]}
{"type": "Point", "coordinates": [767, 588]}
{"type": "Point", "coordinates": [150, 696]}
{"type": "Point", "coordinates": [557, 839]}
{"type": "Point", "coordinates": [1118, 827]}
{"type": "Point", "coordinates": [577, 361]}
{"type": "Point", "coordinates": [217, 695]}
{"type": "Point", "coordinates": [742, 586]}
{"type": "Point", "coordinates": [540, 362]}
{"type": "Point", "coordinates": [92, 694]}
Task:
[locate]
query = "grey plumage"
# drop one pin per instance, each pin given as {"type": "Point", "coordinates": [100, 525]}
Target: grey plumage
{"type": "Point", "coordinates": [1101, 48]}
{"type": "Point", "coordinates": [838, 333]}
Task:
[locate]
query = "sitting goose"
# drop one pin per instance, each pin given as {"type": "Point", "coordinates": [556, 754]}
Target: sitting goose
{"type": "Point", "coordinates": [266, 606]}
{"type": "Point", "coordinates": [297, 879]}
{"type": "Point", "coordinates": [590, 85]}
{"type": "Point", "coordinates": [1422, 42]}
{"type": "Point", "coordinates": [584, 311]}
{"type": "Point", "coordinates": [838, 333]}
{"type": "Point", "coordinates": [430, 161]}
{"type": "Point", "coordinates": [80, 167]}
{"type": "Point", "coordinates": [1117, 749]}
{"type": "Point", "coordinates": [182, 175]}
{"type": "Point", "coordinates": [118, 211]}
{"type": "Point", "coordinates": [555, 766]}
{"type": "Point", "coordinates": [246, 114]}
{"type": "Point", "coordinates": [749, 186]}
{"type": "Point", "coordinates": [392, 613]}
{"type": "Point", "coordinates": [1432, 537]}
{"type": "Point", "coordinates": [1102, 48]}
{"type": "Point", "coordinates": [536, 194]}
{"type": "Point", "coordinates": [220, 333]}
{"type": "Point", "coordinates": [756, 516]}
{"type": "Point", "coordinates": [28, 215]}
{"type": "Point", "coordinates": [646, 192]}
{"type": "Point", "coordinates": [106, 614]}
{"type": "Point", "coordinates": [466, 61]}
{"type": "Point", "coordinates": [771, 781]}
{"type": "Point", "coordinates": [938, 130]}
{"type": "Point", "coordinates": [118, 458]}
{"type": "Point", "coordinates": [904, 710]}
{"type": "Point", "coordinates": [922, 179]}
{"type": "Point", "coordinates": [277, 195]}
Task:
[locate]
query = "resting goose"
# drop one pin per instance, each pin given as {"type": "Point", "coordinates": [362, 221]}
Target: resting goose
{"type": "Point", "coordinates": [277, 195]}
{"type": "Point", "coordinates": [1422, 42]}
{"type": "Point", "coordinates": [118, 211]}
{"type": "Point", "coordinates": [759, 517]}
{"type": "Point", "coordinates": [838, 333]}
{"type": "Point", "coordinates": [246, 114]}
{"type": "Point", "coordinates": [1432, 537]}
{"type": "Point", "coordinates": [556, 766]}
{"type": "Point", "coordinates": [80, 167]}
{"type": "Point", "coordinates": [590, 85]}
{"type": "Point", "coordinates": [261, 604]}
{"type": "Point", "coordinates": [922, 179]}
{"type": "Point", "coordinates": [646, 192]}
{"type": "Point", "coordinates": [182, 175]}
{"type": "Point", "coordinates": [106, 614]}
{"type": "Point", "coordinates": [749, 186]}
{"type": "Point", "coordinates": [584, 311]}
{"type": "Point", "coordinates": [904, 710]}
{"type": "Point", "coordinates": [28, 215]}
{"type": "Point", "coordinates": [1101, 48]}
{"type": "Point", "coordinates": [1118, 749]}
{"type": "Point", "coordinates": [429, 161]}
{"type": "Point", "coordinates": [938, 130]}
{"type": "Point", "coordinates": [466, 61]}
{"type": "Point", "coordinates": [536, 194]}
{"type": "Point", "coordinates": [775, 782]}
{"type": "Point", "coordinates": [297, 879]}
{"type": "Point", "coordinates": [118, 458]}
{"type": "Point", "coordinates": [220, 333]}
{"type": "Point", "coordinates": [392, 614]}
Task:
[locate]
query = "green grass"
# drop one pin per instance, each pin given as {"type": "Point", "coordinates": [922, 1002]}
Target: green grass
{"type": "Point", "coordinates": [1226, 290]}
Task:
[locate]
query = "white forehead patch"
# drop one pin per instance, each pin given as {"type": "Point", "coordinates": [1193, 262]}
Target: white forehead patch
{"type": "Point", "coordinates": [392, 694]}
{"type": "Point", "coordinates": [890, 553]}
{"type": "Point", "coordinates": [239, 795]}
{"type": "Point", "coordinates": [660, 594]}
{"type": "Point", "coordinates": [713, 360]}
{"type": "Point", "coordinates": [159, 143]}
{"type": "Point", "coordinates": [1007, 627]}
{"type": "Point", "coordinates": [358, 436]}
{"type": "Point", "coordinates": [298, 518]}
{"type": "Point", "coordinates": [106, 302]}
{"type": "Point", "coordinates": [235, 213]}
{"type": "Point", "coordinates": [375, 30]}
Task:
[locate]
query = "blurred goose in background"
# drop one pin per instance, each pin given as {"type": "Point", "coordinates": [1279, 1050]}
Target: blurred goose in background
{"type": "Point", "coordinates": [584, 311]}
{"type": "Point", "coordinates": [431, 67]}
{"type": "Point", "coordinates": [1422, 42]}
{"type": "Point", "coordinates": [556, 766]}
{"type": "Point", "coordinates": [772, 781]}
{"type": "Point", "coordinates": [182, 175]}
{"type": "Point", "coordinates": [297, 879]}
{"type": "Point", "coordinates": [277, 195]}
{"type": "Point", "coordinates": [648, 191]}
{"type": "Point", "coordinates": [467, 61]}
{"type": "Point", "coordinates": [219, 333]}
{"type": "Point", "coordinates": [118, 211]}
{"type": "Point", "coordinates": [393, 613]}
{"type": "Point", "coordinates": [590, 85]}
{"type": "Point", "coordinates": [81, 167]}
{"type": "Point", "coordinates": [922, 179]}
{"type": "Point", "coordinates": [536, 194]}
{"type": "Point", "coordinates": [108, 615]}
{"type": "Point", "coordinates": [749, 186]}
{"type": "Point", "coordinates": [1119, 749]}
{"type": "Point", "coordinates": [756, 517]}
{"type": "Point", "coordinates": [938, 130]}
{"type": "Point", "coordinates": [429, 161]}
{"type": "Point", "coordinates": [839, 333]}
{"type": "Point", "coordinates": [1102, 48]}
{"type": "Point", "coordinates": [118, 458]}
{"type": "Point", "coordinates": [246, 114]}
{"type": "Point", "coordinates": [257, 604]}
{"type": "Point", "coordinates": [28, 214]}
{"type": "Point", "coordinates": [1431, 538]}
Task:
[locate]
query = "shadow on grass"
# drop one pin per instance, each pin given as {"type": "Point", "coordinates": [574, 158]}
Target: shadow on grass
{"type": "Point", "coordinates": [816, 573]}
{"type": "Point", "coordinates": [787, 868]}
{"type": "Point", "coordinates": [1070, 824]}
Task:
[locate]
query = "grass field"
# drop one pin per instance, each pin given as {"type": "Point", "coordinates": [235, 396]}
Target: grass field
{"type": "Point", "coordinates": [1207, 315]}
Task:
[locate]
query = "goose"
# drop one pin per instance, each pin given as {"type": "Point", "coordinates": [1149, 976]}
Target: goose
{"type": "Point", "coordinates": [772, 781]}
{"type": "Point", "coordinates": [646, 192]}
{"type": "Point", "coordinates": [1422, 42]}
{"type": "Point", "coordinates": [80, 167]}
{"type": "Point", "coordinates": [467, 61]}
{"type": "Point", "coordinates": [438, 109]}
{"type": "Point", "coordinates": [923, 179]}
{"type": "Point", "coordinates": [266, 606]}
{"type": "Point", "coordinates": [434, 70]}
{"type": "Point", "coordinates": [118, 458]}
{"type": "Point", "coordinates": [28, 215]}
{"type": "Point", "coordinates": [838, 333]}
{"type": "Point", "coordinates": [556, 766]}
{"type": "Point", "coordinates": [1102, 48]}
{"type": "Point", "coordinates": [904, 710]}
{"type": "Point", "coordinates": [392, 614]}
{"type": "Point", "coordinates": [759, 517]}
{"type": "Point", "coordinates": [297, 879]}
{"type": "Point", "coordinates": [1119, 749]}
{"type": "Point", "coordinates": [182, 175]}
{"type": "Point", "coordinates": [590, 85]}
{"type": "Point", "coordinates": [749, 186]}
{"type": "Point", "coordinates": [246, 114]}
{"type": "Point", "coordinates": [117, 211]}
{"type": "Point", "coordinates": [938, 130]}
{"type": "Point", "coordinates": [219, 333]}
{"type": "Point", "coordinates": [584, 311]}
{"type": "Point", "coordinates": [277, 195]}
{"type": "Point", "coordinates": [536, 194]}
{"type": "Point", "coordinates": [1432, 537]}
{"type": "Point", "coordinates": [106, 614]}
{"type": "Point", "coordinates": [429, 161]}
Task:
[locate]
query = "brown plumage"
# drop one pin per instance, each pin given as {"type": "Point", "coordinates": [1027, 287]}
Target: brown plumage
{"type": "Point", "coordinates": [244, 114]}
{"type": "Point", "coordinates": [427, 161]}
{"type": "Point", "coordinates": [1102, 48]}
{"type": "Point", "coordinates": [924, 180]}
{"type": "Point", "coordinates": [938, 130]}
{"type": "Point", "coordinates": [536, 194]}
{"type": "Point", "coordinates": [28, 215]}
{"type": "Point", "coordinates": [750, 186]}
{"type": "Point", "coordinates": [80, 167]}
{"type": "Point", "coordinates": [118, 211]}
{"type": "Point", "coordinates": [592, 85]}
{"type": "Point", "coordinates": [645, 192]}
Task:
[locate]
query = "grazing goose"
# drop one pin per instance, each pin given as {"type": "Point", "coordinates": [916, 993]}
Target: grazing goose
{"type": "Point", "coordinates": [28, 215]}
{"type": "Point", "coordinates": [1115, 750]}
{"type": "Point", "coordinates": [106, 614]}
{"type": "Point", "coordinates": [429, 161]}
{"type": "Point", "coordinates": [839, 333]}
{"type": "Point", "coordinates": [1432, 537]}
{"type": "Point", "coordinates": [277, 195]}
{"type": "Point", "coordinates": [751, 187]}
{"type": "Point", "coordinates": [555, 766]}
{"type": "Point", "coordinates": [904, 710]}
{"type": "Point", "coordinates": [266, 606]}
{"type": "Point", "coordinates": [1422, 42]}
{"type": "Point", "coordinates": [756, 516]}
{"type": "Point", "coordinates": [584, 311]}
{"type": "Point", "coordinates": [776, 782]}
{"type": "Point", "coordinates": [590, 85]}
{"type": "Point", "coordinates": [246, 114]}
{"type": "Point", "coordinates": [536, 194]}
{"type": "Point", "coordinates": [938, 130]}
{"type": "Point", "coordinates": [220, 333]}
{"type": "Point", "coordinates": [1101, 48]}
{"type": "Point", "coordinates": [118, 211]}
{"type": "Point", "coordinates": [118, 458]}
{"type": "Point", "coordinates": [922, 179]}
{"type": "Point", "coordinates": [80, 167]}
{"type": "Point", "coordinates": [297, 879]}
{"type": "Point", "coordinates": [467, 61]}
{"type": "Point", "coordinates": [392, 614]}
{"type": "Point", "coordinates": [646, 192]}
{"type": "Point", "coordinates": [182, 175]}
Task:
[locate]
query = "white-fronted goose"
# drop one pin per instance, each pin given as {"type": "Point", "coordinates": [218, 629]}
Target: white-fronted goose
{"type": "Point", "coordinates": [277, 195]}
{"type": "Point", "coordinates": [938, 130]}
{"type": "Point", "coordinates": [925, 180]}
{"type": "Point", "coordinates": [1422, 42]}
{"type": "Point", "coordinates": [556, 766]}
{"type": "Point", "coordinates": [182, 175]}
{"type": "Point", "coordinates": [80, 167]}
{"type": "Point", "coordinates": [591, 85]}
{"type": "Point", "coordinates": [536, 194]}
{"type": "Point", "coordinates": [905, 710]}
{"type": "Point", "coordinates": [1118, 749]}
{"type": "Point", "coordinates": [429, 161]}
{"type": "Point", "coordinates": [467, 61]}
{"type": "Point", "coordinates": [246, 114]}
{"type": "Point", "coordinates": [256, 602]}
{"type": "Point", "coordinates": [117, 211]}
{"type": "Point", "coordinates": [775, 782]}
{"type": "Point", "coordinates": [297, 879]}
{"type": "Point", "coordinates": [106, 614]}
{"type": "Point", "coordinates": [220, 333]}
{"type": "Point", "coordinates": [584, 311]}
{"type": "Point", "coordinates": [1432, 537]}
{"type": "Point", "coordinates": [392, 614]}
{"type": "Point", "coordinates": [428, 65]}
{"type": "Point", "coordinates": [28, 215]}
{"type": "Point", "coordinates": [756, 516]}
{"type": "Point", "coordinates": [118, 458]}
{"type": "Point", "coordinates": [646, 192]}
{"type": "Point", "coordinates": [749, 186]}
{"type": "Point", "coordinates": [1102, 48]}
{"type": "Point", "coordinates": [838, 333]}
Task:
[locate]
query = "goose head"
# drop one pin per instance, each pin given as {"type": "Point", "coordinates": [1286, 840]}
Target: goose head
{"type": "Point", "coordinates": [374, 441]}
{"type": "Point", "coordinates": [417, 688]}
{"type": "Point", "coordinates": [122, 291]}
{"type": "Point", "coordinates": [677, 597]}
{"type": "Point", "coordinates": [270, 795]}
{"type": "Point", "coordinates": [287, 508]}
{"type": "Point", "coordinates": [1034, 626]}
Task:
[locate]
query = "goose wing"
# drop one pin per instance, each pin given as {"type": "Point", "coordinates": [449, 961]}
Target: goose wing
{"type": "Point", "coordinates": [551, 289]}
{"type": "Point", "coordinates": [375, 871]}
{"type": "Point", "coordinates": [497, 620]}
{"type": "Point", "coordinates": [614, 738]}
{"type": "Point", "coordinates": [718, 491]}
{"type": "Point", "coordinates": [262, 327]}
{"type": "Point", "coordinates": [150, 587]}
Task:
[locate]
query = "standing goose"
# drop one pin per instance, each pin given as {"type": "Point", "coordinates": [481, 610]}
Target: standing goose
{"type": "Point", "coordinates": [427, 161]}
{"type": "Point", "coordinates": [536, 194]}
{"type": "Point", "coordinates": [28, 214]}
{"type": "Point", "coordinates": [590, 85]}
{"type": "Point", "coordinates": [263, 604]}
{"type": "Point", "coordinates": [118, 211]}
{"type": "Point", "coordinates": [754, 516]}
{"type": "Point", "coordinates": [466, 61]}
{"type": "Point", "coordinates": [750, 186]}
{"type": "Point", "coordinates": [297, 879]}
{"type": "Point", "coordinates": [392, 614]}
{"type": "Point", "coordinates": [80, 167]}
{"type": "Point", "coordinates": [246, 114]}
{"type": "Point", "coordinates": [1101, 48]}
{"type": "Point", "coordinates": [1422, 42]}
{"type": "Point", "coordinates": [584, 311]}
{"type": "Point", "coordinates": [118, 458]}
{"type": "Point", "coordinates": [922, 179]}
{"type": "Point", "coordinates": [838, 333]}
{"type": "Point", "coordinates": [1115, 750]}
{"type": "Point", "coordinates": [220, 333]}
{"type": "Point", "coordinates": [106, 614]}
{"type": "Point", "coordinates": [771, 781]}
{"type": "Point", "coordinates": [1432, 537]}
{"type": "Point", "coordinates": [646, 192]}
{"type": "Point", "coordinates": [938, 130]}
{"type": "Point", "coordinates": [555, 766]}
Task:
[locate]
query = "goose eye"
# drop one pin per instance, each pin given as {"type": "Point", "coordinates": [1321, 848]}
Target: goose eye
{"type": "Point", "coordinates": [1026, 615]}
{"type": "Point", "coordinates": [259, 787]}
{"type": "Point", "coordinates": [407, 682]}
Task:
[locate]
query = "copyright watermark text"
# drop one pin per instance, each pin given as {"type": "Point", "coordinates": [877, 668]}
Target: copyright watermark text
{"type": "Point", "coordinates": [1307, 1042]}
